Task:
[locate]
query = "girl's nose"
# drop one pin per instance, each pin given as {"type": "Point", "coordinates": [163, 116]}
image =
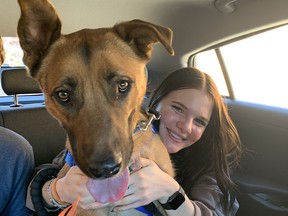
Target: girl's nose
{"type": "Point", "coordinates": [185, 125]}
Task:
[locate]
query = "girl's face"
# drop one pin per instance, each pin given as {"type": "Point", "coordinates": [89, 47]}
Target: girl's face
{"type": "Point", "coordinates": [184, 117]}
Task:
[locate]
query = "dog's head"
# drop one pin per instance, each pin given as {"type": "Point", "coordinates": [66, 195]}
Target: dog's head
{"type": "Point", "coordinates": [94, 81]}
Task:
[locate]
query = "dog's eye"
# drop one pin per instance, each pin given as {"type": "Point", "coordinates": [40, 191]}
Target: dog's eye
{"type": "Point", "coordinates": [123, 86]}
{"type": "Point", "coordinates": [63, 96]}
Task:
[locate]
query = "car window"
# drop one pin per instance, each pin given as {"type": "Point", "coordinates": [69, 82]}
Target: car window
{"type": "Point", "coordinates": [13, 59]}
{"type": "Point", "coordinates": [251, 63]}
{"type": "Point", "coordinates": [208, 62]}
{"type": "Point", "coordinates": [13, 52]}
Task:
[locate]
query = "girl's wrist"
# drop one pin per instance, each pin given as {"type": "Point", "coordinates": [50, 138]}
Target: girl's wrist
{"type": "Point", "coordinates": [51, 196]}
{"type": "Point", "coordinates": [55, 193]}
{"type": "Point", "coordinates": [170, 191]}
{"type": "Point", "coordinates": [45, 194]}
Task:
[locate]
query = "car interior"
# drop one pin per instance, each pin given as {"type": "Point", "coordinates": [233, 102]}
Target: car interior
{"type": "Point", "coordinates": [198, 26]}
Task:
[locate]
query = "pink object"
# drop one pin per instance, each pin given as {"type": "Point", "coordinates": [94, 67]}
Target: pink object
{"type": "Point", "coordinates": [109, 189]}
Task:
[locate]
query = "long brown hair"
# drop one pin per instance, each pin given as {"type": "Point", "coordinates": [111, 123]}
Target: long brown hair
{"type": "Point", "coordinates": [2, 52]}
{"type": "Point", "coordinates": [218, 150]}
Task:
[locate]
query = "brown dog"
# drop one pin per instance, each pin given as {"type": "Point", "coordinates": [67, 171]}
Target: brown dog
{"type": "Point", "coordinates": [94, 82]}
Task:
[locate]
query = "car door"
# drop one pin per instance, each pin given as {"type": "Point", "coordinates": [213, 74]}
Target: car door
{"type": "Point", "coordinates": [262, 179]}
{"type": "Point", "coordinates": [255, 87]}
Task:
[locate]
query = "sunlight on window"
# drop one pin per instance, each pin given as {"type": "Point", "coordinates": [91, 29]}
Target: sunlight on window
{"type": "Point", "coordinates": [13, 52]}
{"type": "Point", "coordinates": [13, 55]}
{"type": "Point", "coordinates": [257, 67]}
{"type": "Point", "coordinates": [208, 63]}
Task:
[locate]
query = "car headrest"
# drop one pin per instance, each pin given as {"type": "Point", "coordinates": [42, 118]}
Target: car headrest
{"type": "Point", "coordinates": [16, 81]}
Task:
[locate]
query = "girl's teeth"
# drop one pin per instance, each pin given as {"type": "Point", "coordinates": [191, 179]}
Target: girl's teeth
{"type": "Point", "coordinates": [175, 136]}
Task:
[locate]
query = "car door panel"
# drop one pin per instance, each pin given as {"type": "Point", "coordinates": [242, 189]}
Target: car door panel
{"type": "Point", "coordinates": [262, 179]}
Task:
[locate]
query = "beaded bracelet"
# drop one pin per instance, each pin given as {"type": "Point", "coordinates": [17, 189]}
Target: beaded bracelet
{"type": "Point", "coordinates": [37, 183]}
{"type": "Point", "coordinates": [49, 190]}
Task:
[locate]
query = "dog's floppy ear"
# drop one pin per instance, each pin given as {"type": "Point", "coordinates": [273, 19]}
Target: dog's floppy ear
{"type": "Point", "coordinates": [142, 35]}
{"type": "Point", "coordinates": [38, 27]}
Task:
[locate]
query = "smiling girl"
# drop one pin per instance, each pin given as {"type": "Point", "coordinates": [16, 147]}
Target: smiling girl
{"type": "Point", "coordinates": [204, 146]}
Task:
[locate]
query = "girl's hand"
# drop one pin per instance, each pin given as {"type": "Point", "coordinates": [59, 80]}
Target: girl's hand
{"type": "Point", "coordinates": [73, 186]}
{"type": "Point", "coordinates": [147, 183]}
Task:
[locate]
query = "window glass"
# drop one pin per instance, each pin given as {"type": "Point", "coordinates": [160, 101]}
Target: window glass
{"type": "Point", "coordinates": [257, 67]}
{"type": "Point", "coordinates": [13, 52]}
{"type": "Point", "coordinates": [13, 55]}
{"type": "Point", "coordinates": [208, 63]}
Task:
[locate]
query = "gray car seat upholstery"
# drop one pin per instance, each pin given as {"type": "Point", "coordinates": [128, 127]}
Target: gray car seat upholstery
{"type": "Point", "coordinates": [30, 119]}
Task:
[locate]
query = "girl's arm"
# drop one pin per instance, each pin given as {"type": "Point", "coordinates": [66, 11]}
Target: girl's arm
{"type": "Point", "coordinates": [149, 183]}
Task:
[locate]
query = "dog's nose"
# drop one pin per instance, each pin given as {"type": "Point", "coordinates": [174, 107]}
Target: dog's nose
{"type": "Point", "coordinates": [105, 170]}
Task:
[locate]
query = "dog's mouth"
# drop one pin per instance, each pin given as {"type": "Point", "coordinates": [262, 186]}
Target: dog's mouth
{"type": "Point", "coordinates": [109, 190]}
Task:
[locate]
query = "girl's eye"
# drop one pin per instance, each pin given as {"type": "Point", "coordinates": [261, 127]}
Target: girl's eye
{"type": "Point", "coordinates": [63, 96]}
{"type": "Point", "coordinates": [201, 122]}
{"type": "Point", "coordinates": [177, 109]}
{"type": "Point", "coordinates": [123, 86]}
